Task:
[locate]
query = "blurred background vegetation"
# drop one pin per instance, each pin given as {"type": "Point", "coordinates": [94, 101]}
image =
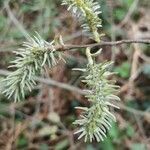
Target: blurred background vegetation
{"type": "Point", "coordinates": [44, 120]}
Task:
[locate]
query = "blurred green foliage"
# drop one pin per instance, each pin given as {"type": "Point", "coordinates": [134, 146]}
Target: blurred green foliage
{"type": "Point", "coordinates": [138, 146]}
{"type": "Point", "coordinates": [36, 15]}
{"type": "Point", "coordinates": [123, 70]}
{"type": "Point", "coordinates": [41, 16]}
{"type": "Point", "coordinates": [22, 142]}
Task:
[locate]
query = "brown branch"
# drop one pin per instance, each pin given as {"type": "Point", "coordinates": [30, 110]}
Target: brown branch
{"type": "Point", "coordinates": [113, 43]}
{"type": "Point", "coordinates": [102, 43]}
{"type": "Point", "coordinates": [79, 91]}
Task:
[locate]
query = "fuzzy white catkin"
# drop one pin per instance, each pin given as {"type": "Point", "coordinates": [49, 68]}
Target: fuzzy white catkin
{"type": "Point", "coordinates": [95, 120]}
{"type": "Point", "coordinates": [87, 11]}
{"type": "Point", "coordinates": [30, 60]}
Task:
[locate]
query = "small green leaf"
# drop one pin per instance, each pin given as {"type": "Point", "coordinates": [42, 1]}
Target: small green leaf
{"type": "Point", "coordinates": [107, 145]}
{"type": "Point", "coordinates": [119, 14]}
{"type": "Point", "coordinates": [22, 141]}
{"type": "Point", "coordinates": [123, 70]}
{"type": "Point", "coordinates": [114, 133]}
{"type": "Point", "coordinates": [130, 131]}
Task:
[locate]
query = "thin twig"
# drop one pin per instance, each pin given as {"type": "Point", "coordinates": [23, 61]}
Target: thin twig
{"type": "Point", "coordinates": [112, 43]}
{"type": "Point", "coordinates": [102, 43]}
